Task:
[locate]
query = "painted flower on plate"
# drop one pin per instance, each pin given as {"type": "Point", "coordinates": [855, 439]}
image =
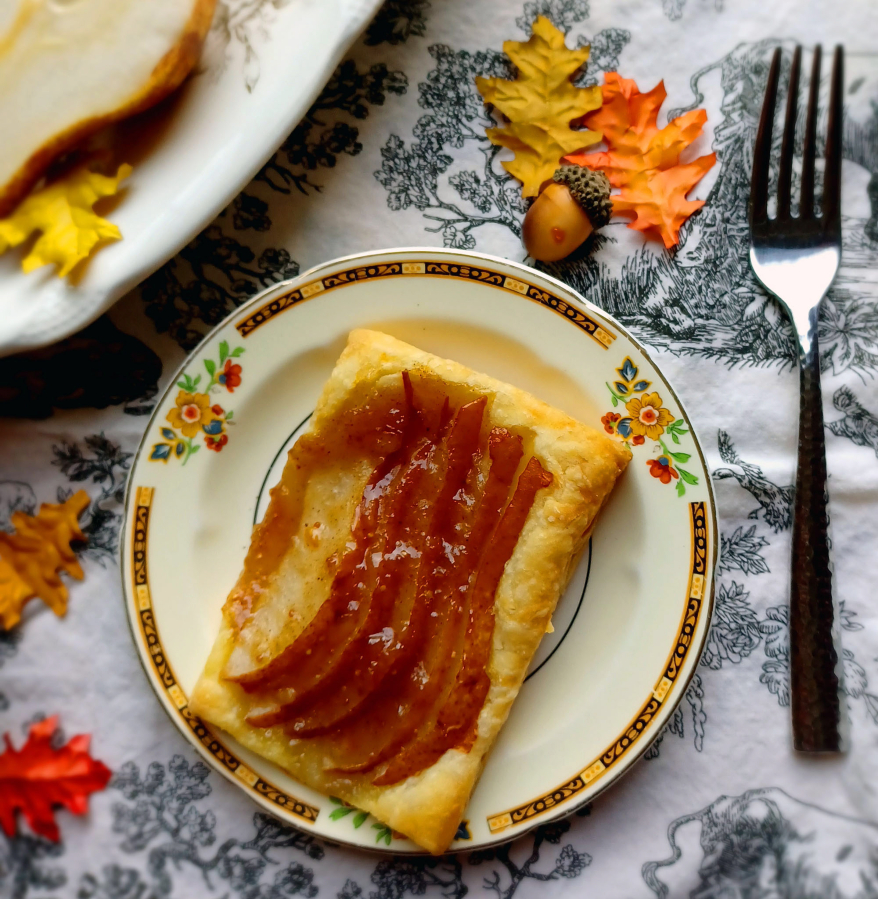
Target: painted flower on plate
{"type": "Point", "coordinates": [191, 413]}
{"type": "Point", "coordinates": [647, 416]}
{"type": "Point", "coordinates": [230, 376]}
{"type": "Point", "coordinates": [662, 469]}
{"type": "Point", "coordinates": [216, 443]}
{"type": "Point", "coordinates": [609, 422]}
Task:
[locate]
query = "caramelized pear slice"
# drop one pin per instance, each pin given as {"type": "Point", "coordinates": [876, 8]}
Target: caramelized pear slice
{"type": "Point", "coordinates": [376, 735]}
{"type": "Point", "coordinates": [457, 722]}
{"type": "Point", "coordinates": [301, 664]}
{"type": "Point", "coordinates": [350, 645]}
{"type": "Point", "coordinates": [371, 424]}
{"type": "Point", "coordinates": [429, 529]}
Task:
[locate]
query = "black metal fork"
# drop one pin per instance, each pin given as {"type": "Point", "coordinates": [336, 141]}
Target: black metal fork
{"type": "Point", "coordinates": [796, 258]}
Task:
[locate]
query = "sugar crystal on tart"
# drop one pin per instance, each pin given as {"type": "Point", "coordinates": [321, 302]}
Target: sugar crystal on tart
{"type": "Point", "coordinates": [401, 580]}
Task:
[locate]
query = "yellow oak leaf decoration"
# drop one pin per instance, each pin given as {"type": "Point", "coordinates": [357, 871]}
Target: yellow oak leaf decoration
{"type": "Point", "coordinates": [541, 104]}
{"type": "Point", "coordinates": [31, 558]}
{"type": "Point", "coordinates": [62, 211]}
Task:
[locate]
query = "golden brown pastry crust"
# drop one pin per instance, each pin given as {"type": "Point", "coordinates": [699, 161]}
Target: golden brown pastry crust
{"type": "Point", "coordinates": [585, 465]}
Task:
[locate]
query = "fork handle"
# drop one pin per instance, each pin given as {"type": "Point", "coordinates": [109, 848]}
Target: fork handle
{"type": "Point", "coordinates": [814, 687]}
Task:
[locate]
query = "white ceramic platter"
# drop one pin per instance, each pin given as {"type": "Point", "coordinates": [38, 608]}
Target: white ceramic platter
{"type": "Point", "coordinates": [631, 626]}
{"type": "Point", "coordinates": [263, 64]}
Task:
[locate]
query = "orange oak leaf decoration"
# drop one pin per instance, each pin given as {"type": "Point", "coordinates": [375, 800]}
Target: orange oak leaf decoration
{"type": "Point", "coordinates": [643, 160]}
{"type": "Point", "coordinates": [540, 105]}
{"type": "Point", "coordinates": [37, 777]}
{"type": "Point", "coordinates": [657, 198]}
{"type": "Point", "coordinates": [31, 558]}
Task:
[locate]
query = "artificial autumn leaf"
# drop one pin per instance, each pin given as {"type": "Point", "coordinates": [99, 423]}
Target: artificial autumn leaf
{"type": "Point", "coordinates": [628, 121]}
{"type": "Point", "coordinates": [540, 104]}
{"type": "Point", "coordinates": [640, 156]}
{"type": "Point", "coordinates": [63, 212]}
{"type": "Point", "coordinates": [657, 201]}
{"type": "Point", "coordinates": [38, 777]}
{"type": "Point", "coordinates": [31, 558]}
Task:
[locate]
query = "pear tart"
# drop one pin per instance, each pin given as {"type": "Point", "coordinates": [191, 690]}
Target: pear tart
{"type": "Point", "coordinates": [400, 582]}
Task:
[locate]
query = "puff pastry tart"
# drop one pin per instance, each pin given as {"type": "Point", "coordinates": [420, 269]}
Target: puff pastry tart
{"type": "Point", "coordinates": [400, 582]}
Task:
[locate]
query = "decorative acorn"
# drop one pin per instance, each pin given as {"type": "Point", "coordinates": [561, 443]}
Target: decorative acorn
{"type": "Point", "coordinates": [571, 206]}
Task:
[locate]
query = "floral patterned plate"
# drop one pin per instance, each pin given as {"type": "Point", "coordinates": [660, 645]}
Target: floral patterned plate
{"type": "Point", "coordinates": [628, 631]}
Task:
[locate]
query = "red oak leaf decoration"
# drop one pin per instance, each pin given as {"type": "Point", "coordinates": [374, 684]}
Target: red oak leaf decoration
{"type": "Point", "coordinates": [37, 777]}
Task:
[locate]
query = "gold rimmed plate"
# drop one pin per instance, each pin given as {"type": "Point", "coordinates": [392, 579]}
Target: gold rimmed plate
{"type": "Point", "coordinates": [627, 633]}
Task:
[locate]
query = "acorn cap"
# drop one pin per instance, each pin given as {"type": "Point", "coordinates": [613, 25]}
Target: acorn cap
{"type": "Point", "coordinates": [590, 189]}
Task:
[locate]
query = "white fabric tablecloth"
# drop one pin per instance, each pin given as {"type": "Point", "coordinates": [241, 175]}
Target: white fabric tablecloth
{"type": "Point", "coordinates": [394, 153]}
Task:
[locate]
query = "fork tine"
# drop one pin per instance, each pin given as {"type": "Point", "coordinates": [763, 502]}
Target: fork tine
{"type": "Point", "coordinates": [831, 203]}
{"type": "Point", "coordinates": [806, 202]}
{"type": "Point", "coordinates": [762, 150]}
{"type": "Point", "coordinates": [785, 176]}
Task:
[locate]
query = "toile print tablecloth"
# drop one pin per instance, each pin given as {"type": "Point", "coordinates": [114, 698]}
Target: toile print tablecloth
{"type": "Point", "coordinates": [394, 152]}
